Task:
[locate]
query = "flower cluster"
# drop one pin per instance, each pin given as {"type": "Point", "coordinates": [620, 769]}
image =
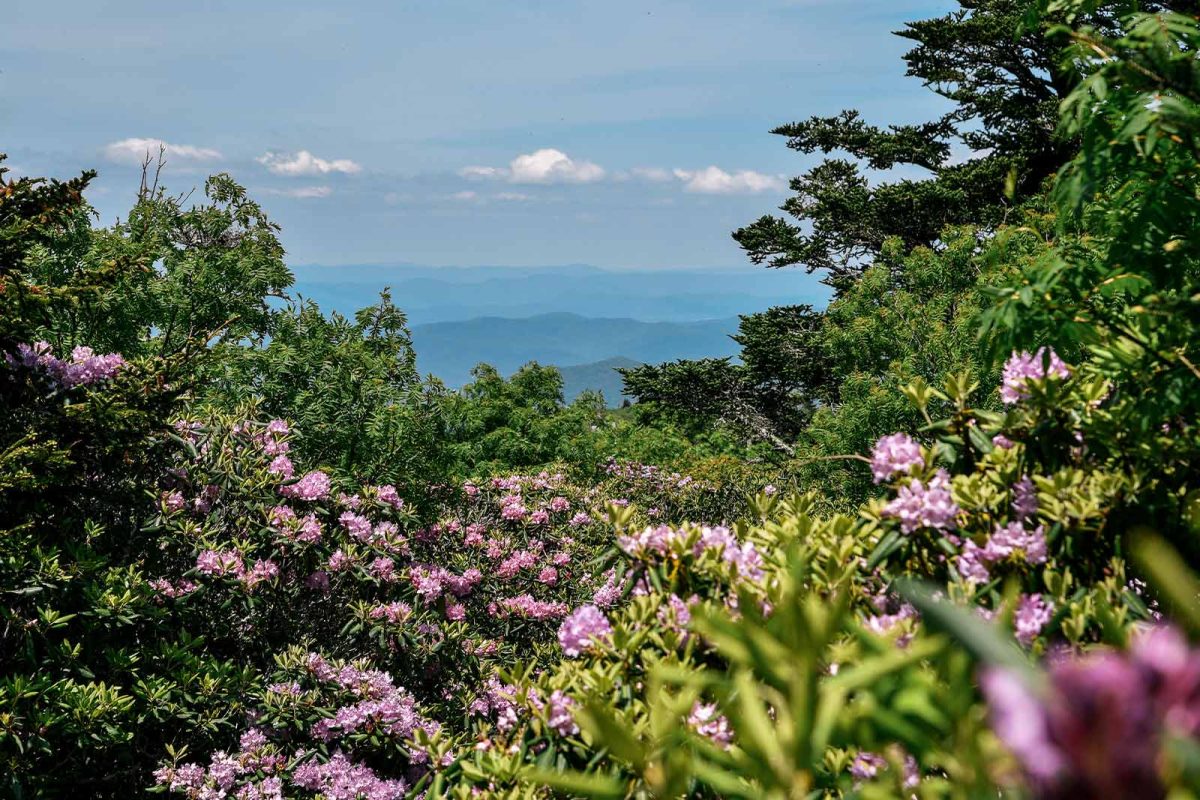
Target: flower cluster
{"type": "Point", "coordinates": [1012, 541]}
{"type": "Point", "coordinates": [1096, 728]}
{"type": "Point", "coordinates": [920, 504]}
{"type": "Point", "coordinates": [83, 368]}
{"type": "Point", "coordinates": [1023, 367]}
{"type": "Point", "coordinates": [584, 630]}
{"type": "Point", "coordinates": [894, 455]}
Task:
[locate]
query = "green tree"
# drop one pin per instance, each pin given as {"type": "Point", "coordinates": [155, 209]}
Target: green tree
{"type": "Point", "coordinates": [1004, 81]}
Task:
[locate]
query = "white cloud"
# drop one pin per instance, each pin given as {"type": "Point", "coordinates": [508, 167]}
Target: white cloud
{"type": "Point", "coordinates": [482, 172]}
{"type": "Point", "coordinates": [464, 196]}
{"type": "Point", "coordinates": [541, 166]}
{"type": "Point", "coordinates": [303, 192]}
{"type": "Point", "coordinates": [552, 166]}
{"type": "Point", "coordinates": [714, 180]}
{"type": "Point", "coordinates": [305, 163]}
{"type": "Point", "coordinates": [136, 150]}
{"type": "Point", "coordinates": [512, 196]}
{"type": "Point", "coordinates": [652, 174]}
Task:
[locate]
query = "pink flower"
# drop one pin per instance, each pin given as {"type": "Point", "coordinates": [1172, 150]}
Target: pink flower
{"type": "Point", "coordinates": [560, 719]}
{"type": "Point", "coordinates": [918, 505]}
{"type": "Point", "coordinates": [282, 466]}
{"type": "Point", "coordinates": [583, 630]}
{"type": "Point", "coordinates": [1023, 367]}
{"type": "Point", "coordinates": [1033, 612]}
{"type": "Point", "coordinates": [219, 562]}
{"type": "Point", "coordinates": [173, 501]}
{"type": "Point", "coordinates": [313, 486]}
{"type": "Point", "coordinates": [895, 455]}
{"type": "Point", "coordinates": [706, 721]}
{"type": "Point", "coordinates": [388, 494]}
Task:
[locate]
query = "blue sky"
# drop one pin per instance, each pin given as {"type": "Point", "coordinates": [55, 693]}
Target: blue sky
{"type": "Point", "coordinates": [615, 133]}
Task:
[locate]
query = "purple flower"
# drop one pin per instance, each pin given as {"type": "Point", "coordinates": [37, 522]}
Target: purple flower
{"type": "Point", "coordinates": [918, 505]}
{"type": "Point", "coordinates": [705, 720]}
{"type": "Point", "coordinates": [1033, 613]}
{"type": "Point", "coordinates": [1022, 367]}
{"type": "Point", "coordinates": [1024, 499]}
{"type": "Point", "coordinates": [172, 501]}
{"type": "Point", "coordinates": [583, 630]}
{"type": "Point", "coordinates": [283, 467]}
{"type": "Point", "coordinates": [866, 766]}
{"type": "Point", "coordinates": [313, 486]}
{"type": "Point", "coordinates": [894, 455]}
{"type": "Point", "coordinates": [1093, 732]}
{"type": "Point", "coordinates": [388, 494]}
{"type": "Point", "coordinates": [560, 719]}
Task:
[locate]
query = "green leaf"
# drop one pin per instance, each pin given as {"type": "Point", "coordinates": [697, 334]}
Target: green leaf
{"type": "Point", "coordinates": [577, 783]}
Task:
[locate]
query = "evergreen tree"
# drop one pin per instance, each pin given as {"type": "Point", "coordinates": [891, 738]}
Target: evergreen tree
{"type": "Point", "coordinates": [1004, 80]}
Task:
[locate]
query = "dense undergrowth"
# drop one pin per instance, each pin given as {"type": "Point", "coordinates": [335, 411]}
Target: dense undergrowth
{"type": "Point", "coordinates": [936, 540]}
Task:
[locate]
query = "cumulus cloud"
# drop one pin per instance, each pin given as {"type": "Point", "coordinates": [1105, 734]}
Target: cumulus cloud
{"type": "Point", "coordinates": [541, 166]}
{"type": "Point", "coordinates": [714, 180]}
{"type": "Point", "coordinates": [303, 192]}
{"type": "Point", "coordinates": [135, 151]}
{"type": "Point", "coordinates": [305, 163]}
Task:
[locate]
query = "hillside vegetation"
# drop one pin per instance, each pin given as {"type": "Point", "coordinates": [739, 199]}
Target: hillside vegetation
{"type": "Point", "coordinates": [936, 539]}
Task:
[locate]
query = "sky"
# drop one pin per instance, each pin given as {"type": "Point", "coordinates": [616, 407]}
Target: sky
{"type": "Point", "coordinates": [609, 132]}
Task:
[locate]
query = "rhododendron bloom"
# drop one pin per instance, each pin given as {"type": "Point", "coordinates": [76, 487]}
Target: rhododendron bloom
{"type": "Point", "coordinates": [282, 466]}
{"type": "Point", "coordinates": [313, 486]}
{"type": "Point", "coordinates": [1033, 613]}
{"type": "Point", "coordinates": [895, 455]}
{"type": "Point", "coordinates": [1023, 367]}
{"type": "Point", "coordinates": [173, 501]}
{"type": "Point", "coordinates": [583, 630]}
{"type": "Point", "coordinates": [560, 718]}
{"type": "Point", "coordinates": [219, 562]}
{"type": "Point", "coordinates": [919, 505]}
{"type": "Point", "coordinates": [388, 494]}
{"type": "Point", "coordinates": [709, 723]}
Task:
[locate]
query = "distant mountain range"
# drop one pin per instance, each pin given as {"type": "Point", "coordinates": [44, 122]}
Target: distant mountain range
{"type": "Point", "coordinates": [600, 376]}
{"type": "Point", "coordinates": [447, 294]}
{"type": "Point", "coordinates": [451, 349]}
{"type": "Point", "coordinates": [585, 320]}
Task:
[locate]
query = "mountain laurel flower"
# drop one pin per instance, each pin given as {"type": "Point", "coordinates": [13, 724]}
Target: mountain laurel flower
{"type": "Point", "coordinates": [921, 505]}
{"type": "Point", "coordinates": [893, 455]}
{"type": "Point", "coordinates": [314, 485]}
{"type": "Point", "coordinates": [584, 630]}
{"type": "Point", "coordinates": [1023, 367]}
